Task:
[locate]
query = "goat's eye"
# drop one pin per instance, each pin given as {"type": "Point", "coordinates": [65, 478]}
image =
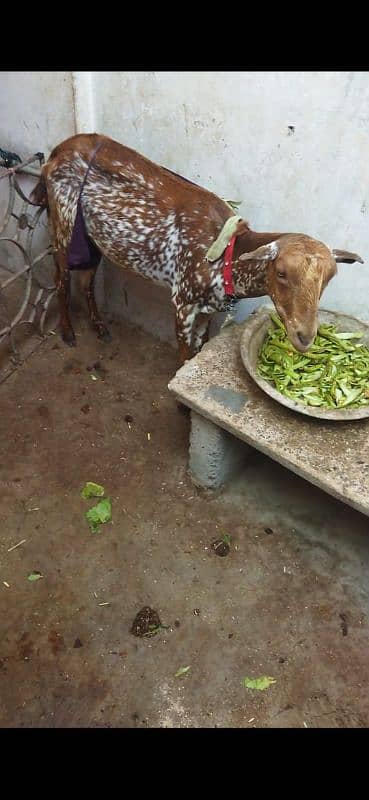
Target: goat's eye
{"type": "Point", "coordinates": [281, 274]}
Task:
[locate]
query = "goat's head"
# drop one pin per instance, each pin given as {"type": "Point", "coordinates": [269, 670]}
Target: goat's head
{"type": "Point", "coordinates": [297, 271]}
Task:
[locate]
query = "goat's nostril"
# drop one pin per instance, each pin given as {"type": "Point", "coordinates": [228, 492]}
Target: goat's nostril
{"type": "Point", "coordinates": [303, 339]}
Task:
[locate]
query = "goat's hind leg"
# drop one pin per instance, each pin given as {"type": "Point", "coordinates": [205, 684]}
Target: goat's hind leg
{"type": "Point", "coordinates": [62, 283]}
{"type": "Point", "coordinates": [87, 282]}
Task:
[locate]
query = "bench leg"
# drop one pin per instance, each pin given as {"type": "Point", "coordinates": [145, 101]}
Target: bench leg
{"type": "Point", "coordinates": [215, 455]}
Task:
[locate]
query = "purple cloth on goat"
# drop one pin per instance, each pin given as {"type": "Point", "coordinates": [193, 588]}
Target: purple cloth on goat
{"type": "Point", "coordinates": [82, 252]}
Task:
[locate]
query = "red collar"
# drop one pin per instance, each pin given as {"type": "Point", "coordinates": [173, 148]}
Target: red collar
{"type": "Point", "coordinates": [227, 267]}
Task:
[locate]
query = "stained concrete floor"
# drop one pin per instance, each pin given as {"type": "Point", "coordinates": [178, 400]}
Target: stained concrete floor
{"type": "Point", "coordinates": [290, 600]}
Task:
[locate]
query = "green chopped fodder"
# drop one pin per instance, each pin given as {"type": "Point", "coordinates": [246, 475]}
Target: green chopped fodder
{"type": "Point", "coordinates": [99, 514]}
{"type": "Point", "coordinates": [333, 373]}
{"type": "Point", "coordinates": [92, 490]}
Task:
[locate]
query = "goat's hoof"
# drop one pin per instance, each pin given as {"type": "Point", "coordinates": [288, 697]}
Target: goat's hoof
{"type": "Point", "coordinates": [69, 338]}
{"type": "Point", "coordinates": [104, 334]}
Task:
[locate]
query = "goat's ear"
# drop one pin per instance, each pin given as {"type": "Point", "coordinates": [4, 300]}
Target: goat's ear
{"type": "Point", "coordinates": [344, 257]}
{"type": "Point", "coordinates": [267, 252]}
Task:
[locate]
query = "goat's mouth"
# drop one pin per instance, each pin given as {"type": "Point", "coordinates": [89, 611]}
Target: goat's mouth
{"type": "Point", "coordinates": [298, 334]}
{"type": "Point", "coordinates": [301, 341]}
{"type": "Point", "coordinates": [302, 348]}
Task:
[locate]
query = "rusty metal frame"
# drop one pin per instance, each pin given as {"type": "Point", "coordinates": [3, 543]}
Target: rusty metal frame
{"type": "Point", "coordinates": [31, 312]}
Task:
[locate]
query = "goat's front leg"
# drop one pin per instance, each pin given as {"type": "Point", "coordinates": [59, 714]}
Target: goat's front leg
{"type": "Point", "coordinates": [185, 322]}
{"type": "Point", "coordinates": [201, 331]}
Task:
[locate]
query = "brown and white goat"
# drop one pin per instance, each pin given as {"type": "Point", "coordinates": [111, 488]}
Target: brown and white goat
{"type": "Point", "coordinates": [147, 219]}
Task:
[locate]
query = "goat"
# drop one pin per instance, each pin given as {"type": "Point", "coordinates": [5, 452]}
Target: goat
{"type": "Point", "coordinates": [143, 217]}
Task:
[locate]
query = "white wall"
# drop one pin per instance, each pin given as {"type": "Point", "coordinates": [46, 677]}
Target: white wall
{"type": "Point", "coordinates": [36, 112]}
{"type": "Point", "coordinates": [229, 131]}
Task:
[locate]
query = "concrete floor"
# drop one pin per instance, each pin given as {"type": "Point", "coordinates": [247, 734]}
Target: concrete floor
{"type": "Point", "coordinates": [291, 603]}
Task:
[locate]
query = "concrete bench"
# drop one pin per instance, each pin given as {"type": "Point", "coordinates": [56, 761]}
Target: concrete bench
{"type": "Point", "coordinates": [230, 414]}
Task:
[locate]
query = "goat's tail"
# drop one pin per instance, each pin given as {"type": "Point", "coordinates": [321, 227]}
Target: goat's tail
{"type": "Point", "coordinates": [39, 193]}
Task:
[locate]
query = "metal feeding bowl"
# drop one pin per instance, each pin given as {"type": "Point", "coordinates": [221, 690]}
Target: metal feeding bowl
{"type": "Point", "coordinates": [252, 341]}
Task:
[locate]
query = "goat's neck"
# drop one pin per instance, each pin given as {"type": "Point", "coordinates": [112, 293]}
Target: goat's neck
{"type": "Point", "coordinates": [250, 277]}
